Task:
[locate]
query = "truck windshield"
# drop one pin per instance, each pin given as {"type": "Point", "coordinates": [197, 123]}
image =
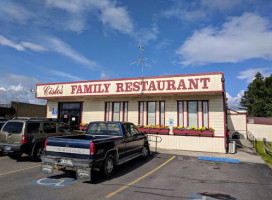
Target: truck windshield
{"type": "Point", "coordinates": [13, 127]}
{"type": "Point", "coordinates": [104, 129]}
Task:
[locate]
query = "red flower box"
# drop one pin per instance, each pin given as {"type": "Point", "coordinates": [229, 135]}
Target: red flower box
{"type": "Point", "coordinates": [192, 132]}
{"type": "Point", "coordinates": [83, 128]}
{"type": "Point", "coordinates": [154, 131]}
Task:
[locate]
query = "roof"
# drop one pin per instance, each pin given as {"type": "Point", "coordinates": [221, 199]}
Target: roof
{"type": "Point", "coordinates": [259, 120]}
{"type": "Point", "coordinates": [236, 112]}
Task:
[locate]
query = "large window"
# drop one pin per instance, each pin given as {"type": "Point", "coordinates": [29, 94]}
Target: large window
{"type": "Point", "coordinates": [205, 115]}
{"type": "Point", "coordinates": [180, 113]}
{"type": "Point", "coordinates": [141, 113]}
{"type": "Point", "coordinates": [116, 111]}
{"type": "Point", "coordinates": [162, 113]}
{"type": "Point", "coordinates": [192, 113]}
{"type": "Point", "coordinates": [151, 113]}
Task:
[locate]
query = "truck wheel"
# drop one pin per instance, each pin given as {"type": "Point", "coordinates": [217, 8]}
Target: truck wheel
{"type": "Point", "coordinates": [109, 165]}
{"type": "Point", "coordinates": [15, 155]}
{"type": "Point", "coordinates": [145, 151]}
{"type": "Point", "coordinates": [38, 151]}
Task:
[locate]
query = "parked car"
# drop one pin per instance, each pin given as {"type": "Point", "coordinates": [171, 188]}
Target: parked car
{"type": "Point", "coordinates": [104, 146]}
{"type": "Point", "coordinates": [27, 135]}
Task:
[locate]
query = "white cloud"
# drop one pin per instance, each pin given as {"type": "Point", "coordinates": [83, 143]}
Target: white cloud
{"type": "Point", "coordinates": [249, 74]}
{"type": "Point", "coordinates": [32, 46]}
{"type": "Point", "coordinates": [6, 42]}
{"type": "Point", "coordinates": [64, 74]}
{"type": "Point", "coordinates": [108, 12]}
{"type": "Point", "coordinates": [236, 41]}
{"type": "Point", "coordinates": [15, 12]}
{"type": "Point", "coordinates": [14, 87]}
{"type": "Point", "coordinates": [20, 46]}
{"type": "Point", "coordinates": [234, 102]}
{"type": "Point", "coordinates": [62, 48]}
{"type": "Point", "coordinates": [148, 34]}
{"type": "Point", "coordinates": [104, 75]}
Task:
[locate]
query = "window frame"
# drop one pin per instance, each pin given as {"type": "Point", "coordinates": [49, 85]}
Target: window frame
{"type": "Point", "coordinates": [105, 112]}
{"type": "Point", "coordinates": [113, 110]}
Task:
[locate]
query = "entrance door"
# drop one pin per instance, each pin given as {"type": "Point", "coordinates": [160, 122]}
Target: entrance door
{"type": "Point", "coordinates": [70, 113]}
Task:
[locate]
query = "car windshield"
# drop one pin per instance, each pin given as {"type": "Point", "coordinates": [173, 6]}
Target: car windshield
{"type": "Point", "coordinates": [13, 127]}
{"type": "Point", "coordinates": [101, 128]}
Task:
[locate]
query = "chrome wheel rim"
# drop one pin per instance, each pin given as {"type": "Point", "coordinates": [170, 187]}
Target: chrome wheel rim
{"type": "Point", "coordinates": [145, 151]}
{"type": "Point", "coordinates": [109, 166]}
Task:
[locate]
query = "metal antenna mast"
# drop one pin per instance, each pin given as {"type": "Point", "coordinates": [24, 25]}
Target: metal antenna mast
{"type": "Point", "coordinates": [141, 60]}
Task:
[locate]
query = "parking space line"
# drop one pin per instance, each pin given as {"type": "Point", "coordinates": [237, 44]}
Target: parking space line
{"type": "Point", "coordinates": [137, 180]}
{"type": "Point", "coordinates": [20, 170]}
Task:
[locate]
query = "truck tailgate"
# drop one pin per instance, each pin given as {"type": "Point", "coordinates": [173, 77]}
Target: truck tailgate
{"type": "Point", "coordinates": [72, 148]}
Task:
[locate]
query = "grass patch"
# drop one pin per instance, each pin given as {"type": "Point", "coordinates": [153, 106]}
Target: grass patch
{"type": "Point", "coordinates": [266, 157]}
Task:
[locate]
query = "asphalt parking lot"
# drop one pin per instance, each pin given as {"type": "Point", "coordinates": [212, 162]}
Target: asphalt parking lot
{"type": "Point", "coordinates": [161, 176]}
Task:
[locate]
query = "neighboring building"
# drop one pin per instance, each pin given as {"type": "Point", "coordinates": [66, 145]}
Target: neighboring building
{"type": "Point", "coordinates": [260, 127]}
{"type": "Point", "coordinates": [181, 100]}
{"type": "Point", "coordinates": [237, 122]}
{"type": "Point", "coordinates": [19, 109]}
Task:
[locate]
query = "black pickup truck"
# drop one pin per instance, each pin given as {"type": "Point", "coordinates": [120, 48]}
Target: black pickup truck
{"type": "Point", "coordinates": [104, 146]}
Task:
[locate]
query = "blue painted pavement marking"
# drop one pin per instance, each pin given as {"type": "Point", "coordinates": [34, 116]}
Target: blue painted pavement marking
{"type": "Point", "coordinates": [219, 159]}
{"type": "Point", "coordinates": [54, 182]}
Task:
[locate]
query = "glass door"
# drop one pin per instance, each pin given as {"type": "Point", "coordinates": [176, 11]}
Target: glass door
{"type": "Point", "coordinates": [70, 113]}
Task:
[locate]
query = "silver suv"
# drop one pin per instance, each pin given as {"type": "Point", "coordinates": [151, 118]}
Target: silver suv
{"type": "Point", "coordinates": [28, 135]}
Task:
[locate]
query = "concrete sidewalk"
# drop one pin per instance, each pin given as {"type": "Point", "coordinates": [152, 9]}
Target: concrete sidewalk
{"type": "Point", "coordinates": [245, 153]}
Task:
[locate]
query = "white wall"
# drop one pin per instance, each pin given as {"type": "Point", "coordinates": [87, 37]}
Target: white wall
{"type": "Point", "coordinates": [260, 131]}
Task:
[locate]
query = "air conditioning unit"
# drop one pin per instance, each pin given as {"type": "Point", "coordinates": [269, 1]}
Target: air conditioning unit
{"type": "Point", "coordinates": [232, 147]}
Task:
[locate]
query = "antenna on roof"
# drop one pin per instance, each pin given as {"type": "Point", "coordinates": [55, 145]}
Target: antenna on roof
{"type": "Point", "coordinates": [141, 60]}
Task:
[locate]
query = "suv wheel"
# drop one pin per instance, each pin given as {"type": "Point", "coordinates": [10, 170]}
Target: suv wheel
{"type": "Point", "coordinates": [38, 151]}
{"type": "Point", "coordinates": [109, 165]}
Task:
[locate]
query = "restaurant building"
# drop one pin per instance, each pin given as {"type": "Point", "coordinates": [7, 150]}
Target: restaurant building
{"type": "Point", "coordinates": [185, 104]}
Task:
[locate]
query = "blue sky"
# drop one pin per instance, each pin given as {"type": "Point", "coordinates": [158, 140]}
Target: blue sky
{"type": "Point", "coordinates": [45, 41]}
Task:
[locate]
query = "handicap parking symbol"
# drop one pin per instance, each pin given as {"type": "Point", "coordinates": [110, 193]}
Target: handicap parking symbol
{"type": "Point", "coordinates": [54, 182]}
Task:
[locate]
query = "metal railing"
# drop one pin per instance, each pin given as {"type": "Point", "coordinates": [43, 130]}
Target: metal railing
{"type": "Point", "coordinates": [265, 145]}
{"type": "Point", "coordinates": [157, 140]}
{"type": "Point", "coordinates": [252, 139]}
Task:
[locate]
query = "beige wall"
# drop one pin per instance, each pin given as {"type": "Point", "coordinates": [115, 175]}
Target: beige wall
{"type": "Point", "coordinates": [260, 131]}
{"type": "Point", "coordinates": [93, 110]}
{"type": "Point", "coordinates": [237, 122]}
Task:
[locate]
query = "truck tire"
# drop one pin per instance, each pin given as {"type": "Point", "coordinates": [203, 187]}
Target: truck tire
{"type": "Point", "coordinates": [38, 151]}
{"type": "Point", "coordinates": [145, 151]}
{"type": "Point", "coordinates": [109, 166]}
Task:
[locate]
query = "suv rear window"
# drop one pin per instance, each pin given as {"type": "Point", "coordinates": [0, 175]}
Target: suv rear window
{"type": "Point", "coordinates": [13, 127]}
{"type": "Point", "coordinates": [33, 128]}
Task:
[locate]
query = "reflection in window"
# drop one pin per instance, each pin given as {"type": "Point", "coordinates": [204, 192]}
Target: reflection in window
{"type": "Point", "coordinates": [141, 113]}
{"type": "Point", "coordinates": [162, 108]}
{"type": "Point", "coordinates": [116, 111]}
{"type": "Point", "coordinates": [192, 113]}
{"type": "Point", "coordinates": [180, 114]}
{"type": "Point", "coordinates": [125, 111]}
{"type": "Point", "coordinates": [151, 115]}
{"type": "Point", "coordinates": [107, 110]}
{"type": "Point", "coordinates": [205, 122]}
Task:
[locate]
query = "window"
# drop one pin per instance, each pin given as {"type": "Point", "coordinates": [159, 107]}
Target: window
{"type": "Point", "coordinates": [141, 113]}
{"type": "Point", "coordinates": [13, 127]}
{"type": "Point", "coordinates": [151, 113]}
{"type": "Point", "coordinates": [192, 113]}
{"type": "Point", "coordinates": [107, 110]}
{"type": "Point", "coordinates": [205, 116]}
{"type": "Point", "coordinates": [63, 128]}
{"type": "Point", "coordinates": [101, 128]}
{"type": "Point", "coordinates": [162, 113]}
{"type": "Point", "coordinates": [49, 128]}
{"type": "Point", "coordinates": [116, 111]}
{"type": "Point", "coordinates": [33, 128]}
{"type": "Point", "coordinates": [180, 113]}
{"type": "Point", "coordinates": [125, 111]}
